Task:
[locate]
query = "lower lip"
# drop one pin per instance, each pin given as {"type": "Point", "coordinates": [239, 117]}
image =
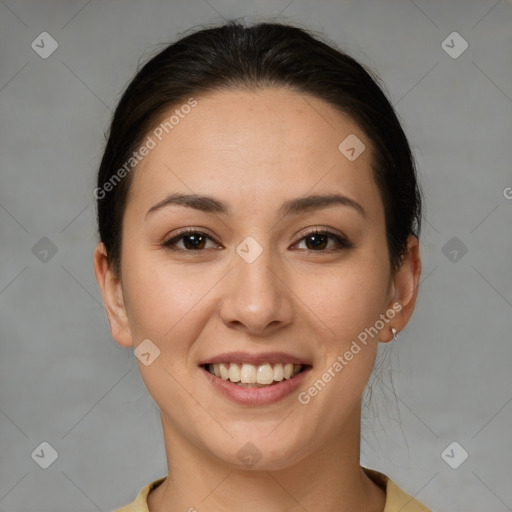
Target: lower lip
{"type": "Point", "coordinates": [256, 396]}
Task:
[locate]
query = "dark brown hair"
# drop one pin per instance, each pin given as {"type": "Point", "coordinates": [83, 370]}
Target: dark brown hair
{"type": "Point", "coordinates": [267, 54]}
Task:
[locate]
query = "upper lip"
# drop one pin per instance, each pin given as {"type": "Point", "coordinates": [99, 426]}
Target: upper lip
{"type": "Point", "coordinates": [254, 359]}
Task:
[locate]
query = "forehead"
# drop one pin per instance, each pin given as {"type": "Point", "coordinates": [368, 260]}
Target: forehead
{"type": "Point", "coordinates": [253, 144]}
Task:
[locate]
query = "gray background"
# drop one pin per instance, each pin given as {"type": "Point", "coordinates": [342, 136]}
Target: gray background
{"type": "Point", "coordinates": [64, 380]}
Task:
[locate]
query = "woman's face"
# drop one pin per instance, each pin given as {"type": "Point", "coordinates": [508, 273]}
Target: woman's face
{"type": "Point", "coordinates": [259, 288]}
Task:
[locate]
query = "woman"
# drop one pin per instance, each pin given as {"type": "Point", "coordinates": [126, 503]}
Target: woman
{"type": "Point", "coordinates": [259, 216]}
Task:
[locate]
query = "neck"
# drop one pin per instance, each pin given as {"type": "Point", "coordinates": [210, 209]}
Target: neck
{"type": "Point", "coordinates": [330, 479]}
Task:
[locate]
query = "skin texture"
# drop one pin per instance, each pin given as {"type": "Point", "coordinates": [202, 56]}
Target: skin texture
{"type": "Point", "coordinates": [254, 150]}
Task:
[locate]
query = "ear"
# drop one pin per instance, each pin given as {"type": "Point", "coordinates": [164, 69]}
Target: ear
{"type": "Point", "coordinates": [112, 293]}
{"type": "Point", "coordinates": [404, 289]}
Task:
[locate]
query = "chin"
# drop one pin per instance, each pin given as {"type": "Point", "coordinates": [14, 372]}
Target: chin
{"type": "Point", "coordinates": [259, 453]}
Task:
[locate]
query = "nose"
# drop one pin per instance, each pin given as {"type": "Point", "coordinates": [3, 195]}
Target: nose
{"type": "Point", "coordinates": [257, 299]}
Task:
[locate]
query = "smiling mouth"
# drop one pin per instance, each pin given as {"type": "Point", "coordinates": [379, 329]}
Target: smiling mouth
{"type": "Point", "coordinates": [257, 376]}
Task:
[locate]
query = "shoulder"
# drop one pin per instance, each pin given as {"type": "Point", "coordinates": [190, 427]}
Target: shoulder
{"type": "Point", "coordinates": [140, 503]}
{"type": "Point", "coordinates": [396, 499]}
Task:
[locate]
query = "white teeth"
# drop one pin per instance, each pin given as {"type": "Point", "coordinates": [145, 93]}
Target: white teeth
{"type": "Point", "coordinates": [233, 373]}
{"type": "Point", "coordinates": [224, 372]}
{"type": "Point", "coordinates": [248, 374]}
{"type": "Point", "coordinates": [278, 372]}
{"type": "Point", "coordinates": [261, 375]}
{"type": "Point", "coordinates": [265, 374]}
{"type": "Point", "coordinates": [288, 370]}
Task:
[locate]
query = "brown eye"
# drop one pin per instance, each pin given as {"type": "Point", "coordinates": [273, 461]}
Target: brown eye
{"type": "Point", "coordinates": [192, 241]}
{"type": "Point", "coordinates": [318, 241]}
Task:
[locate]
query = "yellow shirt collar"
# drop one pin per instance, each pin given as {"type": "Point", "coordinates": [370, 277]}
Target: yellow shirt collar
{"type": "Point", "coordinates": [396, 499]}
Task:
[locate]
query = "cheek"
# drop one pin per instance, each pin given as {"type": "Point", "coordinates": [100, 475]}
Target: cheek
{"type": "Point", "coordinates": [346, 299]}
{"type": "Point", "coordinates": [346, 307]}
{"type": "Point", "coordinates": [167, 306]}
{"type": "Point", "coordinates": [160, 296]}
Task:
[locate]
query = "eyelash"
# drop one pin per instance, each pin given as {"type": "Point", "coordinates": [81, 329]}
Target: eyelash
{"type": "Point", "coordinates": [341, 241]}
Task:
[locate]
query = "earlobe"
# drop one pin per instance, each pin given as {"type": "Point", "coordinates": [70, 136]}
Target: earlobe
{"type": "Point", "coordinates": [112, 292]}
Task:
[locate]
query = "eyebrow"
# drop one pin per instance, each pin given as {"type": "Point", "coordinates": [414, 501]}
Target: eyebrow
{"type": "Point", "coordinates": [295, 206]}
